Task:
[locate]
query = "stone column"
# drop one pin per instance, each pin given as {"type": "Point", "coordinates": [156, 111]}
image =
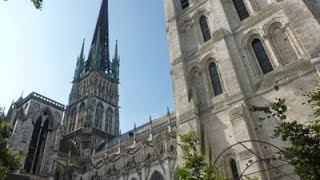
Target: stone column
{"type": "Point", "coordinates": [269, 50]}
{"type": "Point", "coordinates": [316, 63]}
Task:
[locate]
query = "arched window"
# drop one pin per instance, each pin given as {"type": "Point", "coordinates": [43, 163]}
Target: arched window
{"type": "Point", "coordinates": [37, 145]}
{"type": "Point", "coordinates": [108, 123]}
{"type": "Point", "coordinates": [204, 28]}
{"type": "Point", "coordinates": [215, 79]}
{"type": "Point", "coordinates": [234, 169]}
{"type": "Point", "coordinates": [98, 117]}
{"type": "Point", "coordinates": [184, 3]}
{"type": "Point", "coordinates": [261, 56]}
{"type": "Point", "coordinates": [241, 9]}
{"type": "Point", "coordinates": [156, 176]}
{"type": "Point", "coordinates": [81, 115]}
{"type": "Point", "coordinates": [73, 119]}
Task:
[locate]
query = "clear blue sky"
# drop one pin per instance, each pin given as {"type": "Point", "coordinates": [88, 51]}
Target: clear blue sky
{"type": "Point", "coordinates": [38, 51]}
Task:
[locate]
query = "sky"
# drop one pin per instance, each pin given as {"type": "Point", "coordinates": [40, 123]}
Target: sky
{"type": "Point", "coordinates": [38, 52]}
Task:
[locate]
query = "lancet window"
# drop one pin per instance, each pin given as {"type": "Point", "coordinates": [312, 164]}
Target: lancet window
{"type": "Point", "coordinates": [98, 116]}
{"type": "Point", "coordinates": [215, 79]}
{"type": "Point", "coordinates": [37, 145]}
{"type": "Point", "coordinates": [234, 169]}
{"type": "Point", "coordinates": [108, 123]}
{"type": "Point", "coordinates": [261, 56]}
{"type": "Point", "coordinates": [241, 9]}
{"type": "Point", "coordinates": [204, 28]}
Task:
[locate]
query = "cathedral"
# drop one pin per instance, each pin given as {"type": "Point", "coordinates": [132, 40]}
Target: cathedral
{"type": "Point", "coordinates": [225, 56]}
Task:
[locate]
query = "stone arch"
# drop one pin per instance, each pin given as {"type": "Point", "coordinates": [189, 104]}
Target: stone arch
{"type": "Point", "coordinates": [284, 45]}
{"type": "Point", "coordinates": [50, 115]}
{"type": "Point", "coordinates": [156, 175]}
{"type": "Point", "coordinates": [202, 11]}
{"type": "Point", "coordinates": [253, 33]}
{"type": "Point", "coordinates": [267, 25]}
{"type": "Point", "coordinates": [185, 24]}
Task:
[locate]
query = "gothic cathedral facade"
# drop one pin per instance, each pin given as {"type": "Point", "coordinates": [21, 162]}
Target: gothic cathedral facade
{"type": "Point", "coordinates": [225, 56]}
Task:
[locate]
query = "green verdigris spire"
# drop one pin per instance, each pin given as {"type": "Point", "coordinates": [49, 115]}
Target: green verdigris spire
{"type": "Point", "coordinates": [116, 64]}
{"type": "Point", "coordinates": [80, 64]}
{"type": "Point", "coordinates": [96, 54]}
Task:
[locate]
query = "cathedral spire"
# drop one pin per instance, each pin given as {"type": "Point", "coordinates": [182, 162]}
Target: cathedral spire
{"type": "Point", "coordinates": [101, 38]}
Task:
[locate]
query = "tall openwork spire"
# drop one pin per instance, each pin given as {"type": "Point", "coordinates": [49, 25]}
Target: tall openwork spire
{"type": "Point", "coordinates": [100, 42]}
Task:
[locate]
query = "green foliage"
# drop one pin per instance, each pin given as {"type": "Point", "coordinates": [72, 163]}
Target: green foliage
{"type": "Point", "coordinates": [37, 3]}
{"type": "Point", "coordinates": [303, 153]}
{"type": "Point", "coordinates": [195, 167]}
{"type": "Point", "coordinates": [9, 160]}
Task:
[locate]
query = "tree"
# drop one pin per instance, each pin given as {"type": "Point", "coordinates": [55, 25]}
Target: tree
{"type": "Point", "coordinates": [303, 153]}
{"type": "Point", "coordinates": [9, 160]}
{"type": "Point", "coordinates": [195, 167]}
{"type": "Point", "coordinates": [36, 3]}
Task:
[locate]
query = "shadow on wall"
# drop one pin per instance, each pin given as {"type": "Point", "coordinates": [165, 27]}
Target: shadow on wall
{"type": "Point", "coordinates": [314, 6]}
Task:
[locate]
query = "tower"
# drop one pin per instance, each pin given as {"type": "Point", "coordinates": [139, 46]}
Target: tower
{"type": "Point", "coordinates": [227, 55]}
{"type": "Point", "coordinates": [92, 114]}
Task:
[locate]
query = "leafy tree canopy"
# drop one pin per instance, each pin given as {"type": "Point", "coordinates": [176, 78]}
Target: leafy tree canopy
{"type": "Point", "coordinates": [195, 167]}
{"type": "Point", "coordinates": [9, 160]}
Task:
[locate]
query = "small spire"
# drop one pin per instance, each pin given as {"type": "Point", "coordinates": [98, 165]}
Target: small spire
{"type": "Point", "coordinates": [116, 64]}
{"type": "Point", "coordinates": [82, 49]}
{"type": "Point", "coordinates": [116, 50]}
{"type": "Point", "coordinates": [80, 64]}
{"type": "Point", "coordinates": [168, 111]}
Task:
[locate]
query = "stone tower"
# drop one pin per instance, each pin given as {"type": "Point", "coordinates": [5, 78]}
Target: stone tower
{"type": "Point", "coordinates": [92, 114]}
{"type": "Point", "coordinates": [229, 54]}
